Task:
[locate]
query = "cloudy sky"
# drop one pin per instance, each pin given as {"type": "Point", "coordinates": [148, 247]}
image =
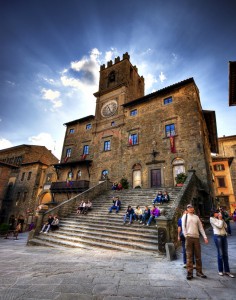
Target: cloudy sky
{"type": "Point", "coordinates": [51, 51]}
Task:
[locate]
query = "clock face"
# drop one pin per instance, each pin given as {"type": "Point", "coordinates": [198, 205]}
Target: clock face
{"type": "Point", "coordinates": [109, 108]}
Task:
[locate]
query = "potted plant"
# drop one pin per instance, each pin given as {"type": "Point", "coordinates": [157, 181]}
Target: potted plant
{"type": "Point", "coordinates": [180, 179]}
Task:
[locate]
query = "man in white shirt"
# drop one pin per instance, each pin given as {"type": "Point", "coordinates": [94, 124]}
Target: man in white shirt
{"type": "Point", "coordinates": [191, 226]}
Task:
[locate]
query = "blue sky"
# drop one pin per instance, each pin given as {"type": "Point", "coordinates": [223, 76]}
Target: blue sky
{"type": "Point", "coordinates": [51, 52]}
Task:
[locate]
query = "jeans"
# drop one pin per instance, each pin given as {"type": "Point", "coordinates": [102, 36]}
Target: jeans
{"type": "Point", "coordinates": [128, 216]}
{"type": "Point", "coordinates": [117, 208]}
{"type": "Point", "coordinates": [137, 217]}
{"type": "Point", "coordinates": [150, 219]}
{"type": "Point", "coordinates": [184, 252]}
{"type": "Point", "coordinates": [193, 245]}
{"type": "Point", "coordinates": [144, 217]}
{"type": "Point", "coordinates": [222, 252]}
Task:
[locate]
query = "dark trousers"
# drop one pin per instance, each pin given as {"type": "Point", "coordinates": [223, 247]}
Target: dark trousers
{"type": "Point", "coordinates": [193, 245]}
{"type": "Point", "coordinates": [222, 252]}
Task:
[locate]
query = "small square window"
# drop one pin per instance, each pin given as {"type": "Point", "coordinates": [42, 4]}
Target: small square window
{"type": "Point", "coordinates": [68, 152]}
{"type": "Point", "coordinates": [86, 150]}
{"type": "Point", "coordinates": [170, 130]}
{"type": "Point", "coordinates": [29, 175]}
{"type": "Point", "coordinates": [107, 145]}
{"type": "Point", "coordinates": [88, 126]}
{"type": "Point", "coordinates": [219, 167]}
{"type": "Point", "coordinates": [22, 176]}
{"type": "Point", "coordinates": [133, 139]}
{"type": "Point", "coordinates": [168, 100]}
{"type": "Point", "coordinates": [221, 182]}
{"type": "Point", "coordinates": [71, 131]}
{"type": "Point", "coordinates": [134, 112]}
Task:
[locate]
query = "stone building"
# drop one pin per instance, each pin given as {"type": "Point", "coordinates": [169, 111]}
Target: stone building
{"type": "Point", "coordinates": [227, 148]}
{"type": "Point", "coordinates": [147, 139]}
{"type": "Point", "coordinates": [224, 192]}
{"type": "Point", "coordinates": [24, 172]}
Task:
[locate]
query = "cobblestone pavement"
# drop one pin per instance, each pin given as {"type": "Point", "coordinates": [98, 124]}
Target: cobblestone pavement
{"type": "Point", "coordinates": [48, 273]}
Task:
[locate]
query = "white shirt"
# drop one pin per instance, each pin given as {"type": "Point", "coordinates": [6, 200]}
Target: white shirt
{"type": "Point", "coordinates": [193, 226]}
{"type": "Point", "coordinates": [218, 226]}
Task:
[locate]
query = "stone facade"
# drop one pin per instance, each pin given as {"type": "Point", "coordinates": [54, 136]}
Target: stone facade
{"type": "Point", "coordinates": [145, 139]}
{"type": "Point", "coordinates": [26, 180]}
{"type": "Point", "coordinates": [222, 181]}
{"type": "Point", "coordinates": [227, 148]}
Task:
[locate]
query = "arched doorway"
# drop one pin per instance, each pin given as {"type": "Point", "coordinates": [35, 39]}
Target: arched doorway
{"type": "Point", "coordinates": [178, 167]}
{"type": "Point", "coordinates": [137, 181]}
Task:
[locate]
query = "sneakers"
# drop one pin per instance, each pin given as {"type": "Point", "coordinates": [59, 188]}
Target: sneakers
{"type": "Point", "coordinates": [221, 273]}
{"type": "Point", "coordinates": [140, 222]}
{"type": "Point", "coordinates": [194, 266]}
{"type": "Point", "coordinates": [189, 276]}
{"type": "Point", "coordinates": [40, 231]}
{"type": "Point", "coordinates": [229, 274]}
{"type": "Point", "coordinates": [184, 266]}
{"type": "Point", "coordinates": [201, 275]}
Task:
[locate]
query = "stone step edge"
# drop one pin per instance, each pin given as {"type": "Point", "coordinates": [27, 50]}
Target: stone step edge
{"type": "Point", "coordinates": [107, 241]}
{"type": "Point", "coordinates": [143, 234]}
{"type": "Point", "coordinates": [99, 244]}
{"type": "Point", "coordinates": [149, 240]}
{"type": "Point", "coordinates": [115, 224]}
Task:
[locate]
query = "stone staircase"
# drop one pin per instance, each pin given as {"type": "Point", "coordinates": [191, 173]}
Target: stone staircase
{"type": "Point", "coordinates": [102, 229]}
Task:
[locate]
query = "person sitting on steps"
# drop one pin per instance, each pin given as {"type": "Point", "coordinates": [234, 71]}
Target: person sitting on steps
{"type": "Point", "coordinates": [129, 214]}
{"type": "Point", "coordinates": [145, 215]}
{"type": "Point", "coordinates": [80, 207]}
{"type": "Point", "coordinates": [116, 205]}
{"type": "Point", "coordinates": [47, 224]}
{"type": "Point", "coordinates": [166, 197]}
{"type": "Point", "coordinates": [138, 213]}
{"type": "Point", "coordinates": [55, 224]}
{"type": "Point", "coordinates": [159, 198]}
{"type": "Point", "coordinates": [88, 206]}
{"type": "Point", "coordinates": [154, 213]}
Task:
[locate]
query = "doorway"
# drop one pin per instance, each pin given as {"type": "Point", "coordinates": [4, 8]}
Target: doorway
{"type": "Point", "coordinates": [136, 178]}
{"type": "Point", "coordinates": [156, 178]}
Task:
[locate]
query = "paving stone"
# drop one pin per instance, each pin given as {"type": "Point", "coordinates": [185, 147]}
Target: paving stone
{"type": "Point", "coordinates": [75, 288]}
{"type": "Point", "coordinates": [105, 289]}
{"type": "Point", "coordinates": [144, 291]}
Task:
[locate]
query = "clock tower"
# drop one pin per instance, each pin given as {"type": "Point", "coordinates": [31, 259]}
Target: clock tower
{"type": "Point", "coordinates": [119, 84]}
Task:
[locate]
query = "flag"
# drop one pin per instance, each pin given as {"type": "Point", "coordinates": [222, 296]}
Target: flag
{"type": "Point", "coordinates": [130, 140]}
{"type": "Point", "coordinates": [84, 156]}
{"type": "Point", "coordinates": [172, 144]}
{"type": "Point", "coordinates": [66, 158]}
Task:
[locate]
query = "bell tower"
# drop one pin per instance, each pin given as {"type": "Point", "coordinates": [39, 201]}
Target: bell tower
{"type": "Point", "coordinates": [119, 83]}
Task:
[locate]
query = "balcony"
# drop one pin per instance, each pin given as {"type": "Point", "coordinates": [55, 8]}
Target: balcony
{"type": "Point", "coordinates": [69, 187]}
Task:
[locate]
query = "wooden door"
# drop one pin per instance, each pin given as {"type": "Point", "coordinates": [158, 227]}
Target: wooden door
{"type": "Point", "coordinates": [155, 178]}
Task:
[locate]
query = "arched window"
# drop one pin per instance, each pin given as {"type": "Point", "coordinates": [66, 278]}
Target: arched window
{"type": "Point", "coordinates": [104, 174]}
{"type": "Point", "coordinates": [70, 175]}
{"type": "Point", "coordinates": [79, 174]}
{"type": "Point", "coordinates": [178, 167]}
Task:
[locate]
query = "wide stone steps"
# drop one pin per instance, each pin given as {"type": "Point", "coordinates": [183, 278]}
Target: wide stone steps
{"type": "Point", "coordinates": [64, 240]}
{"type": "Point", "coordinates": [101, 229]}
{"type": "Point", "coordinates": [126, 229]}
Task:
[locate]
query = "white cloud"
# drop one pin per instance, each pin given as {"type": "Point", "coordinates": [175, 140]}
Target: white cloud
{"type": "Point", "coordinates": [174, 57]}
{"type": "Point", "coordinates": [149, 81]}
{"type": "Point", "coordinates": [45, 139]}
{"type": "Point", "coordinates": [162, 77]}
{"type": "Point", "coordinates": [52, 96]}
{"type": "Point", "coordinates": [4, 143]}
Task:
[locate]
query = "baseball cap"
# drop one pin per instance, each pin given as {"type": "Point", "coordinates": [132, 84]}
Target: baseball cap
{"type": "Point", "coordinates": [189, 206]}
